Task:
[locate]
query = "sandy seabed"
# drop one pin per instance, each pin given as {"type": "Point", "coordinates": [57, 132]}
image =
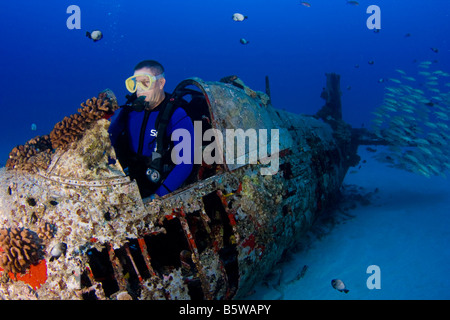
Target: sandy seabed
{"type": "Point", "coordinates": [396, 220]}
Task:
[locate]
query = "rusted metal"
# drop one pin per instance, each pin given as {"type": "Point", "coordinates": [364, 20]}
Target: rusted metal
{"type": "Point", "coordinates": [117, 268]}
{"type": "Point", "coordinates": [195, 255]}
{"type": "Point", "coordinates": [146, 256]}
{"type": "Point", "coordinates": [127, 249]}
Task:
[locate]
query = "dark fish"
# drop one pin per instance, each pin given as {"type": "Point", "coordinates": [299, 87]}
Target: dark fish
{"type": "Point", "coordinates": [339, 285]}
{"type": "Point", "coordinates": [353, 3]}
{"type": "Point", "coordinates": [244, 41]}
{"type": "Point", "coordinates": [407, 35]}
{"type": "Point", "coordinates": [371, 62]}
{"type": "Point", "coordinates": [435, 50]}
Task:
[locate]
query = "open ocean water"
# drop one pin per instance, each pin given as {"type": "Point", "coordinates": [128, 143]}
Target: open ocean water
{"type": "Point", "coordinates": [49, 68]}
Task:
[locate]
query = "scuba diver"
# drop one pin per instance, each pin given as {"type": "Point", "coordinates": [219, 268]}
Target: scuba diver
{"type": "Point", "coordinates": [141, 132]}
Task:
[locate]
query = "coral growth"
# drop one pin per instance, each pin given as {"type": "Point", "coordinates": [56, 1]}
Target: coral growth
{"type": "Point", "coordinates": [32, 156]}
{"type": "Point", "coordinates": [46, 231]}
{"type": "Point", "coordinates": [71, 128]}
{"type": "Point", "coordinates": [20, 250]}
{"type": "Point", "coordinates": [36, 153]}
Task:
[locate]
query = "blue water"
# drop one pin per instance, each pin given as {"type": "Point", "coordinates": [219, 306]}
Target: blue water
{"type": "Point", "coordinates": [47, 70]}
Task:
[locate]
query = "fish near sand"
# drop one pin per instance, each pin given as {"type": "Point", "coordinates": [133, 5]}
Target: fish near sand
{"type": "Point", "coordinates": [58, 250]}
{"type": "Point", "coordinates": [339, 285]}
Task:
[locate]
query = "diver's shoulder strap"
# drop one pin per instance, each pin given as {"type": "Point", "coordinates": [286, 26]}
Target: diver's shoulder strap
{"type": "Point", "coordinates": [161, 123]}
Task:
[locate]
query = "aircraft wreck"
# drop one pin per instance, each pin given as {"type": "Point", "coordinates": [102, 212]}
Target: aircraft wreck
{"type": "Point", "coordinates": [74, 226]}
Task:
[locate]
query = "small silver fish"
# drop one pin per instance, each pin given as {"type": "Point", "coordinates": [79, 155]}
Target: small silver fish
{"type": "Point", "coordinates": [395, 80]}
{"type": "Point", "coordinates": [339, 285]}
{"type": "Point", "coordinates": [239, 17]}
{"type": "Point", "coordinates": [95, 35]}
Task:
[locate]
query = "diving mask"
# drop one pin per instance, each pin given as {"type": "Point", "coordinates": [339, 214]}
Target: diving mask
{"type": "Point", "coordinates": [141, 82]}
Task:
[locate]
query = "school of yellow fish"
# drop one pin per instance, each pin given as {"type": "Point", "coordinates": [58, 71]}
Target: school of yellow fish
{"type": "Point", "coordinates": [414, 118]}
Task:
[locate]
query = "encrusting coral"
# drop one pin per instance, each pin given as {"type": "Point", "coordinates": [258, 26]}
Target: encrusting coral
{"type": "Point", "coordinates": [237, 82]}
{"type": "Point", "coordinates": [36, 153]}
{"type": "Point", "coordinates": [45, 231]}
{"type": "Point", "coordinates": [20, 250]}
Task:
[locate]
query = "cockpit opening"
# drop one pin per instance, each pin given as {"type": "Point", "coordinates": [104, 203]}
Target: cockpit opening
{"type": "Point", "coordinates": [189, 96]}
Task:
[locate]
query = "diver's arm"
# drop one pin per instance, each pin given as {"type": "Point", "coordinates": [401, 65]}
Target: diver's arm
{"type": "Point", "coordinates": [182, 170]}
{"type": "Point", "coordinates": [175, 178]}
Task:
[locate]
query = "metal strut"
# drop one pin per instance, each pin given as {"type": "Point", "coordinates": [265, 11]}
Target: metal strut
{"type": "Point", "coordinates": [195, 255]}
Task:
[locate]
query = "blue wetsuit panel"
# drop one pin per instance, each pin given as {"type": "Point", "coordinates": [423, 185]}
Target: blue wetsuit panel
{"type": "Point", "coordinates": [131, 123]}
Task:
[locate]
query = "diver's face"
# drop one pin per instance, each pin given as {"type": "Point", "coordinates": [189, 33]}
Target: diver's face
{"type": "Point", "coordinates": [156, 93]}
